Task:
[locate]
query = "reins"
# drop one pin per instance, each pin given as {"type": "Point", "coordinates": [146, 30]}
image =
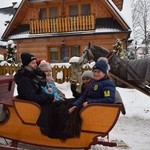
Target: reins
{"type": "Point", "coordinates": [111, 54]}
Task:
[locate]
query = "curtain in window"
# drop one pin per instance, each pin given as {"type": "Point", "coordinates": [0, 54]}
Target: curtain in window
{"type": "Point", "coordinates": [42, 13]}
{"type": "Point", "coordinates": [85, 9]}
{"type": "Point", "coordinates": [73, 10]}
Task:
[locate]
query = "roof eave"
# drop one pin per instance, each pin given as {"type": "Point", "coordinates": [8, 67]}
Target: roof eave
{"type": "Point", "coordinates": [117, 15]}
{"type": "Point", "coordinates": [53, 35]}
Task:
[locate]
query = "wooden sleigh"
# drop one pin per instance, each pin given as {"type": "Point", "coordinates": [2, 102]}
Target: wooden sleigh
{"type": "Point", "coordinates": [20, 125]}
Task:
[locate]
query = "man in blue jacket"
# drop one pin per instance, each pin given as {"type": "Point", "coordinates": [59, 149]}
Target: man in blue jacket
{"type": "Point", "coordinates": [100, 90]}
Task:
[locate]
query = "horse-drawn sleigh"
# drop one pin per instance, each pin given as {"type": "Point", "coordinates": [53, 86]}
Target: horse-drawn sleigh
{"type": "Point", "coordinates": [20, 125]}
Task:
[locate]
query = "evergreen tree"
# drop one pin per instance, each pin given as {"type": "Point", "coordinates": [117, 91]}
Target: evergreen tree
{"type": "Point", "coordinates": [11, 52]}
{"type": "Point", "coordinates": [118, 47]}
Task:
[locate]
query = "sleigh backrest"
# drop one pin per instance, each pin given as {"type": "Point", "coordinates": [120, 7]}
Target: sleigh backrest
{"type": "Point", "coordinates": [100, 118]}
{"type": "Point", "coordinates": [27, 111]}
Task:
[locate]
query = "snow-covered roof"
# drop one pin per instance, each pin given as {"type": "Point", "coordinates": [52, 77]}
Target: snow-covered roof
{"type": "Point", "coordinates": [4, 17]}
{"type": "Point", "coordinates": [73, 33]}
{"type": "Point", "coordinates": [3, 44]}
{"type": "Point", "coordinates": [7, 3]}
{"type": "Point", "coordinates": [126, 9]}
{"type": "Point", "coordinates": [25, 34]}
{"type": "Point", "coordinates": [6, 14]}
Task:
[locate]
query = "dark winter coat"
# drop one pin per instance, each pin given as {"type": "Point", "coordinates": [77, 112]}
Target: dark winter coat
{"type": "Point", "coordinates": [75, 93]}
{"type": "Point", "coordinates": [102, 91]}
{"type": "Point", "coordinates": [29, 86]}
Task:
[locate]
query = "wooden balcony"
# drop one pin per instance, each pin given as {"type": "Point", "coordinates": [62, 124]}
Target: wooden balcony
{"type": "Point", "coordinates": [62, 24]}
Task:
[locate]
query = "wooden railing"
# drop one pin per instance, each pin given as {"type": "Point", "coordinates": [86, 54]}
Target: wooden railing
{"type": "Point", "coordinates": [62, 24]}
{"type": "Point", "coordinates": [60, 74]}
{"type": "Point", "coordinates": [9, 69]}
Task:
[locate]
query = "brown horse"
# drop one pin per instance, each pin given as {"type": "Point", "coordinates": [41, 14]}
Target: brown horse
{"type": "Point", "coordinates": [136, 72]}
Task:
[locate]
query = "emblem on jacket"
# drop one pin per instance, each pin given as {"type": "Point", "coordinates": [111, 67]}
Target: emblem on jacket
{"type": "Point", "coordinates": [95, 87]}
{"type": "Point", "coordinates": [106, 93]}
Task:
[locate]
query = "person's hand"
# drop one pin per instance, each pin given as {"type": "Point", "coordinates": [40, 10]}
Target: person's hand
{"type": "Point", "coordinates": [72, 109]}
{"type": "Point", "coordinates": [62, 95]}
{"type": "Point", "coordinates": [85, 104]}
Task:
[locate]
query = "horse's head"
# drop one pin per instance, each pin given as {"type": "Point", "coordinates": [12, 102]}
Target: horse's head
{"type": "Point", "coordinates": [92, 53]}
{"type": "Point", "coordinates": [86, 56]}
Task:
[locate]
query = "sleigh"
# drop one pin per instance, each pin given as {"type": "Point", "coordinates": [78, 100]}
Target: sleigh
{"type": "Point", "coordinates": [20, 125]}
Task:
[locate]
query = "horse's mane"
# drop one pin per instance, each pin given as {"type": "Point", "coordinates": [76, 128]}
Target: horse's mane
{"type": "Point", "coordinates": [99, 51]}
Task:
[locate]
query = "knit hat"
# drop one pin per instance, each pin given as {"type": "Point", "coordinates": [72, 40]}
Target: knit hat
{"type": "Point", "coordinates": [44, 65]}
{"type": "Point", "coordinates": [101, 65]}
{"type": "Point", "coordinates": [105, 60]}
{"type": "Point", "coordinates": [87, 74]}
{"type": "Point", "coordinates": [26, 58]}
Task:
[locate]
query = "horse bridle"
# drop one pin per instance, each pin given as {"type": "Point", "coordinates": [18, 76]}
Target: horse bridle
{"type": "Point", "coordinates": [110, 55]}
{"type": "Point", "coordinates": [88, 55]}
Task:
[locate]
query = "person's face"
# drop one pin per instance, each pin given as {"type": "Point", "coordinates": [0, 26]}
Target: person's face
{"type": "Point", "coordinates": [32, 64]}
{"type": "Point", "coordinates": [86, 80]}
{"type": "Point", "coordinates": [98, 74]}
{"type": "Point", "coordinates": [48, 72]}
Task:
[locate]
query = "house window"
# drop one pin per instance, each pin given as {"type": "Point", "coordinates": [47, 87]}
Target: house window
{"type": "Point", "coordinates": [53, 12]}
{"type": "Point", "coordinates": [42, 13]}
{"type": "Point", "coordinates": [85, 9]}
{"type": "Point", "coordinates": [73, 10]}
{"type": "Point", "coordinates": [63, 54]}
{"type": "Point", "coordinates": [54, 55]}
{"type": "Point", "coordinates": [75, 51]}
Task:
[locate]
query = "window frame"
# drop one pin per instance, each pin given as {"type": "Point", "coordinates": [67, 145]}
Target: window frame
{"type": "Point", "coordinates": [59, 53]}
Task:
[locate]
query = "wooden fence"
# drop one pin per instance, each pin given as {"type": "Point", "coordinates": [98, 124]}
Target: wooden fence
{"type": "Point", "coordinates": [9, 69]}
{"type": "Point", "coordinates": [61, 74]}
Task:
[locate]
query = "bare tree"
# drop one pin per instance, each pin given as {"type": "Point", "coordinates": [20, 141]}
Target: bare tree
{"type": "Point", "coordinates": [141, 21]}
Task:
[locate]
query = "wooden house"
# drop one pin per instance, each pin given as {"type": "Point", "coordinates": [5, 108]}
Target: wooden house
{"type": "Point", "coordinates": [56, 30]}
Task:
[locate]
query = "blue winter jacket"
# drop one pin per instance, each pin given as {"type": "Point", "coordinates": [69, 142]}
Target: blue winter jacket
{"type": "Point", "coordinates": [101, 91]}
{"type": "Point", "coordinates": [54, 91]}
